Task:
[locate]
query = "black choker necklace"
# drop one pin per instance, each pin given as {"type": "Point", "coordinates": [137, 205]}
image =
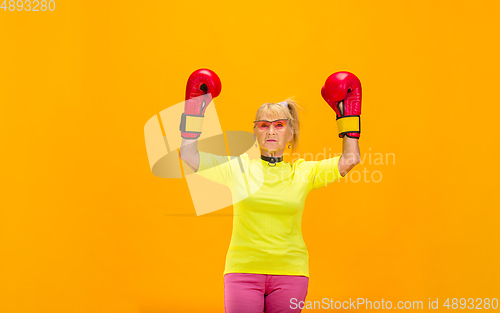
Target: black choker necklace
{"type": "Point", "coordinates": [272, 160]}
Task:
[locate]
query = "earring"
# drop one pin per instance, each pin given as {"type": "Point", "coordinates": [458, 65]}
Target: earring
{"type": "Point", "coordinates": [289, 146]}
{"type": "Point", "coordinates": [255, 144]}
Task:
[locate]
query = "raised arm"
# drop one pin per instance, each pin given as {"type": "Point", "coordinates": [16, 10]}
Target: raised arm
{"type": "Point", "coordinates": [201, 84]}
{"type": "Point", "coordinates": [189, 153]}
{"type": "Point", "coordinates": [342, 92]}
{"type": "Point", "coordinates": [350, 155]}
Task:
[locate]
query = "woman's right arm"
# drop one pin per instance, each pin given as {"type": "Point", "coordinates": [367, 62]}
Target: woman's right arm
{"type": "Point", "coordinates": [189, 153]}
{"type": "Point", "coordinates": [203, 85]}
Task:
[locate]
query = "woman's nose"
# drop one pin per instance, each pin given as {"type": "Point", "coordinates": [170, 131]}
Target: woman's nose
{"type": "Point", "coordinates": [271, 129]}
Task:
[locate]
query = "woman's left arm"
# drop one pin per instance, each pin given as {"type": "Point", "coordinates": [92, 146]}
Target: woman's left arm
{"type": "Point", "coordinates": [342, 92]}
{"type": "Point", "coordinates": [350, 155]}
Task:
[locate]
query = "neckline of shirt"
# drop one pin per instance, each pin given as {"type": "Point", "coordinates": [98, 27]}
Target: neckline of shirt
{"type": "Point", "coordinates": [277, 163]}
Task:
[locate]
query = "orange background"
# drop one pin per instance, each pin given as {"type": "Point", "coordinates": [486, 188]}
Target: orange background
{"type": "Point", "coordinates": [86, 227]}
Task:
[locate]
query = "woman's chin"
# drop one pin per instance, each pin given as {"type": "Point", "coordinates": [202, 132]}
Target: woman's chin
{"type": "Point", "coordinates": [272, 148]}
{"type": "Point", "coordinates": [273, 144]}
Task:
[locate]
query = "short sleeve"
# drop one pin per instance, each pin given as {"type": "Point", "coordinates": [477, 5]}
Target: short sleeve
{"type": "Point", "coordinates": [219, 169]}
{"type": "Point", "coordinates": [325, 172]}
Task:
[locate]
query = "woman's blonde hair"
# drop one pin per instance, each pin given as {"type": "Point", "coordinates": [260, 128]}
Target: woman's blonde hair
{"type": "Point", "coordinates": [285, 109]}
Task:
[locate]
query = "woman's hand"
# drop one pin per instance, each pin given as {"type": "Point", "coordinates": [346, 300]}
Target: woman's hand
{"type": "Point", "coordinates": [200, 85]}
{"type": "Point", "coordinates": [342, 92]}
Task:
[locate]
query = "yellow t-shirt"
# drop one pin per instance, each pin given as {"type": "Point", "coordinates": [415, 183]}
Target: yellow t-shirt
{"type": "Point", "coordinates": [267, 204]}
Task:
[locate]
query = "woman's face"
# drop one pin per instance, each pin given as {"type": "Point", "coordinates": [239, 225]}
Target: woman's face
{"type": "Point", "coordinates": [273, 140]}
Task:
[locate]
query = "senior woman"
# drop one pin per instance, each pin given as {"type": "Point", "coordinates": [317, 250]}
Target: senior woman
{"type": "Point", "coordinates": [267, 264]}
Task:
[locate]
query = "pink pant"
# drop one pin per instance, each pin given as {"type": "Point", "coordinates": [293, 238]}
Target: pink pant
{"type": "Point", "coordinates": [257, 293]}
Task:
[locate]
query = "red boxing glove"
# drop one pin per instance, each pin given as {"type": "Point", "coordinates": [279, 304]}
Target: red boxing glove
{"type": "Point", "coordinates": [342, 91]}
{"type": "Point", "coordinates": [200, 84]}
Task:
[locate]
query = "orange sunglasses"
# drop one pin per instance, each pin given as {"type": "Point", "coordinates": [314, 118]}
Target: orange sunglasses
{"type": "Point", "coordinates": [278, 124]}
